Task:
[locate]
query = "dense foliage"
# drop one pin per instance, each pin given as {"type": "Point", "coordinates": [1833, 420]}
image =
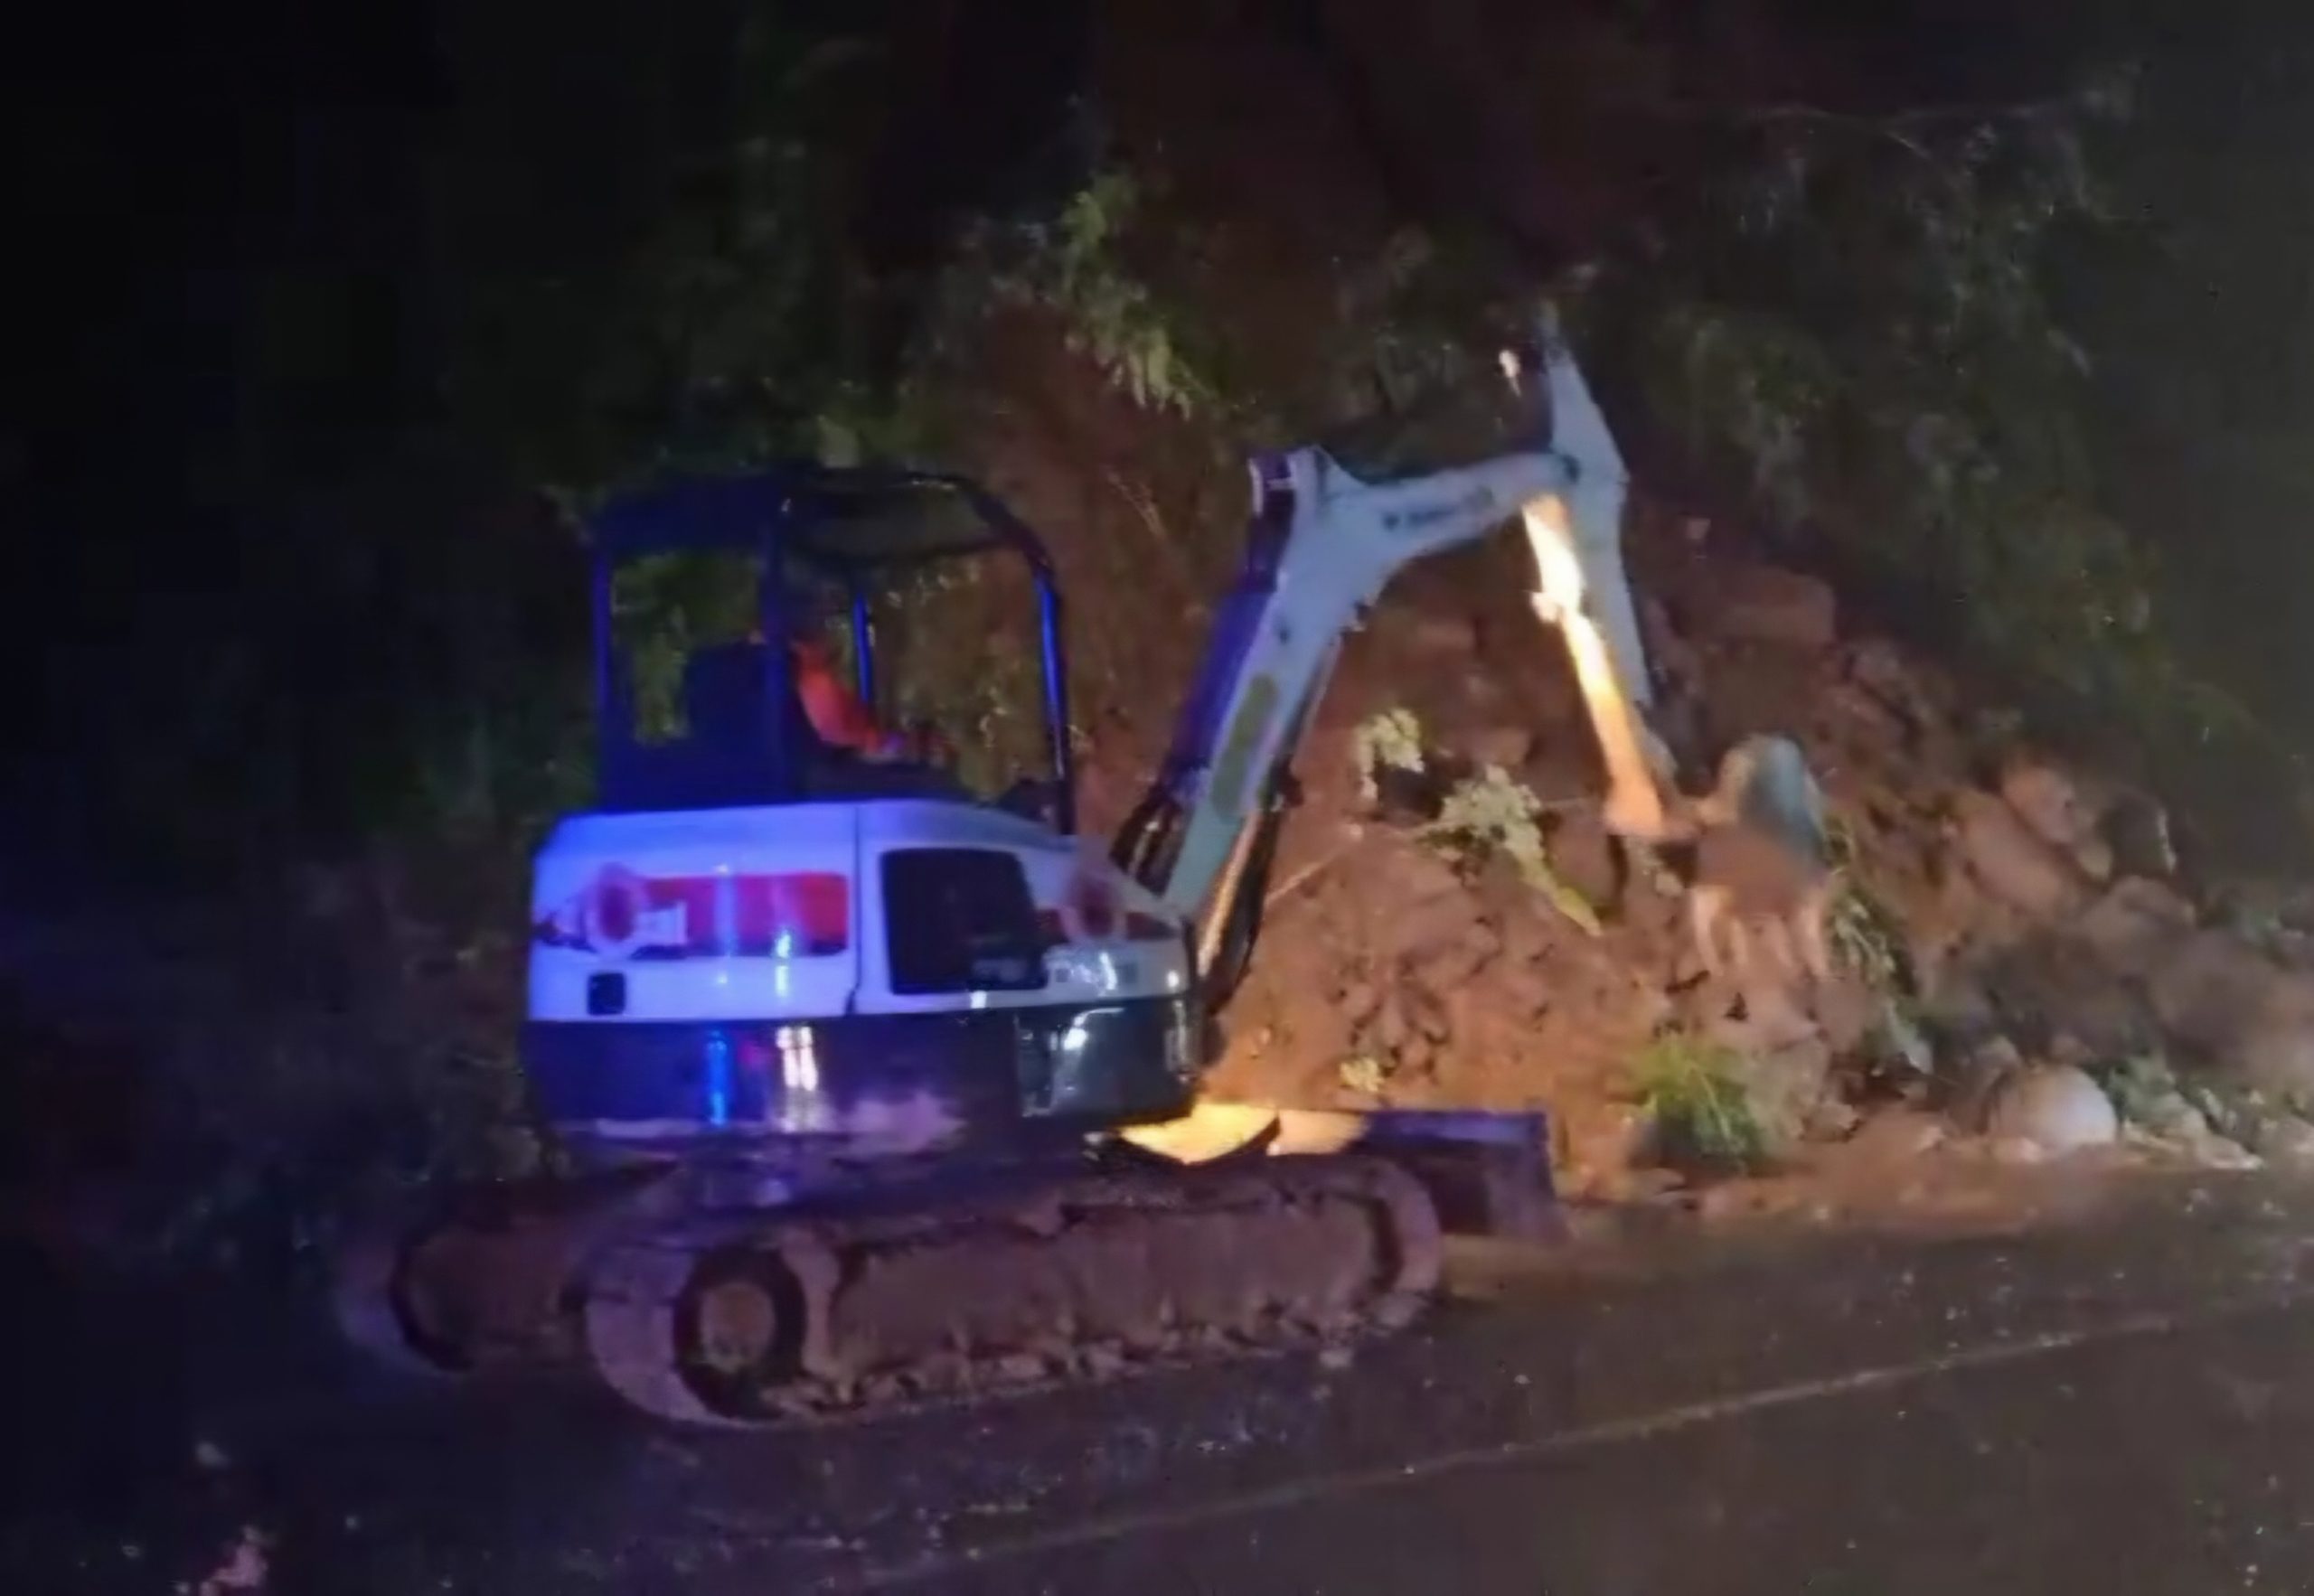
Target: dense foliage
{"type": "Point", "coordinates": [326, 581]}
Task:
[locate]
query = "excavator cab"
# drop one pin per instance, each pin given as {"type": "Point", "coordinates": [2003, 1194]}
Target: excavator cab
{"type": "Point", "coordinates": [702, 587]}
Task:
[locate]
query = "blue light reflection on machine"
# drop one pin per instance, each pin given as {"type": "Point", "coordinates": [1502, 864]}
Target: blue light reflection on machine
{"type": "Point", "coordinates": [719, 1077]}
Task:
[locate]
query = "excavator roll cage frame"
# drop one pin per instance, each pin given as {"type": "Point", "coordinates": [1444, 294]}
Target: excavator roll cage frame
{"type": "Point", "coordinates": [802, 523]}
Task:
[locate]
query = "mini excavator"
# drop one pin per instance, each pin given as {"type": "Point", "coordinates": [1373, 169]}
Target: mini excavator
{"type": "Point", "coordinates": [874, 1090]}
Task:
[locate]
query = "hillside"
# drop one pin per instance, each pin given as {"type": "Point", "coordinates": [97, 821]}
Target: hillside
{"type": "Point", "coordinates": [269, 833]}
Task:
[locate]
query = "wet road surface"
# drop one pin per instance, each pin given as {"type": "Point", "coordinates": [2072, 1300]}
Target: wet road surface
{"type": "Point", "coordinates": [2119, 1405]}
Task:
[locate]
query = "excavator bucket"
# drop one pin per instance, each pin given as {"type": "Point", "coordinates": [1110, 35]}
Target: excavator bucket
{"type": "Point", "coordinates": [1487, 1174]}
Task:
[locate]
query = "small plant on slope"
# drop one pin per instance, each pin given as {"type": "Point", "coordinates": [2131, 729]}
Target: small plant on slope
{"type": "Point", "coordinates": [1864, 934]}
{"type": "Point", "coordinates": [1364, 1074]}
{"type": "Point", "coordinates": [1694, 1092]}
{"type": "Point", "coordinates": [1388, 739]}
{"type": "Point", "coordinates": [1495, 811]}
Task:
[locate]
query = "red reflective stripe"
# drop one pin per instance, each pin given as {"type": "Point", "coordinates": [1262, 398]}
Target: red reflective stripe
{"type": "Point", "coordinates": [812, 907]}
{"type": "Point", "coordinates": [802, 913]}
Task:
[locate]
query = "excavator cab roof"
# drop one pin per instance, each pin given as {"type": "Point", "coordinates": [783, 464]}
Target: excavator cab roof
{"type": "Point", "coordinates": [842, 521]}
{"type": "Point", "coordinates": [739, 735]}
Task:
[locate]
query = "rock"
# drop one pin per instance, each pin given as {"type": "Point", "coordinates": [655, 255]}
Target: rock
{"type": "Point", "coordinates": [1983, 1076]}
{"type": "Point", "coordinates": [1427, 1015]}
{"type": "Point", "coordinates": [1481, 690]}
{"type": "Point", "coordinates": [1758, 1019]}
{"type": "Point", "coordinates": [2094, 857]}
{"type": "Point", "coordinates": [1020, 1367]}
{"type": "Point", "coordinates": [1637, 1186]}
{"type": "Point", "coordinates": [2285, 1141]}
{"type": "Point", "coordinates": [1866, 714]}
{"type": "Point", "coordinates": [2253, 1019]}
{"type": "Point", "coordinates": [2276, 1055]}
{"type": "Point", "coordinates": [2014, 863]}
{"type": "Point", "coordinates": [1955, 1000]}
{"type": "Point", "coordinates": [1898, 1133]}
{"type": "Point", "coordinates": [2049, 800]}
{"type": "Point", "coordinates": [1359, 1001]}
{"type": "Point", "coordinates": [1582, 852]}
{"type": "Point", "coordinates": [1766, 604]}
{"type": "Point", "coordinates": [2058, 1109]}
{"type": "Point", "coordinates": [2207, 986]}
{"type": "Point", "coordinates": [2133, 928]}
{"type": "Point", "coordinates": [1506, 747]}
{"type": "Point", "coordinates": [1675, 659]}
{"type": "Point", "coordinates": [1609, 1137]}
{"type": "Point", "coordinates": [2137, 831]}
{"type": "Point", "coordinates": [2169, 1116]}
{"type": "Point", "coordinates": [1392, 1028]}
{"type": "Point", "coordinates": [1441, 637]}
{"type": "Point", "coordinates": [2213, 1151]}
{"type": "Point", "coordinates": [1833, 1119]}
{"type": "Point", "coordinates": [2065, 1047]}
{"type": "Point", "coordinates": [1899, 1046]}
{"type": "Point", "coordinates": [1848, 1011]}
{"type": "Point", "coordinates": [1786, 1086]}
{"type": "Point", "coordinates": [2051, 987]}
{"type": "Point", "coordinates": [1878, 668]}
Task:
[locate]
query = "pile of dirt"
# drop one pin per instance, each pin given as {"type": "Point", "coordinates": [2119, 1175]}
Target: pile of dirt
{"type": "Point", "coordinates": [2022, 968]}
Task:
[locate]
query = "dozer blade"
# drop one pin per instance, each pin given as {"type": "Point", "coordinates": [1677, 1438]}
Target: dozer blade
{"type": "Point", "coordinates": [1487, 1174]}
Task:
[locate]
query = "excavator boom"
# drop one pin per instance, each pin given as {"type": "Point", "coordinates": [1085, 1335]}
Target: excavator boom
{"type": "Point", "coordinates": [1323, 545]}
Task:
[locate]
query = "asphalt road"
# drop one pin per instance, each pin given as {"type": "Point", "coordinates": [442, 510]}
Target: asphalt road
{"type": "Point", "coordinates": [2122, 1405]}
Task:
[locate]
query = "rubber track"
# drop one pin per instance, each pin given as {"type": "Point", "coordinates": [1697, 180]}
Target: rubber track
{"type": "Point", "coordinates": [1079, 1282]}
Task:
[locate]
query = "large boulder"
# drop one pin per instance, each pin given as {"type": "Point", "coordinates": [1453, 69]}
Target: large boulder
{"type": "Point", "coordinates": [2014, 862]}
{"type": "Point", "coordinates": [2060, 812]}
{"type": "Point", "coordinates": [2050, 988]}
{"type": "Point", "coordinates": [2213, 989]}
{"type": "Point", "coordinates": [2134, 927]}
{"type": "Point", "coordinates": [2250, 1018]}
{"type": "Point", "coordinates": [2055, 1109]}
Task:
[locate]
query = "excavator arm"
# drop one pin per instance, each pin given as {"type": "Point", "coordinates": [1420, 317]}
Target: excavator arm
{"type": "Point", "coordinates": [1323, 547]}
